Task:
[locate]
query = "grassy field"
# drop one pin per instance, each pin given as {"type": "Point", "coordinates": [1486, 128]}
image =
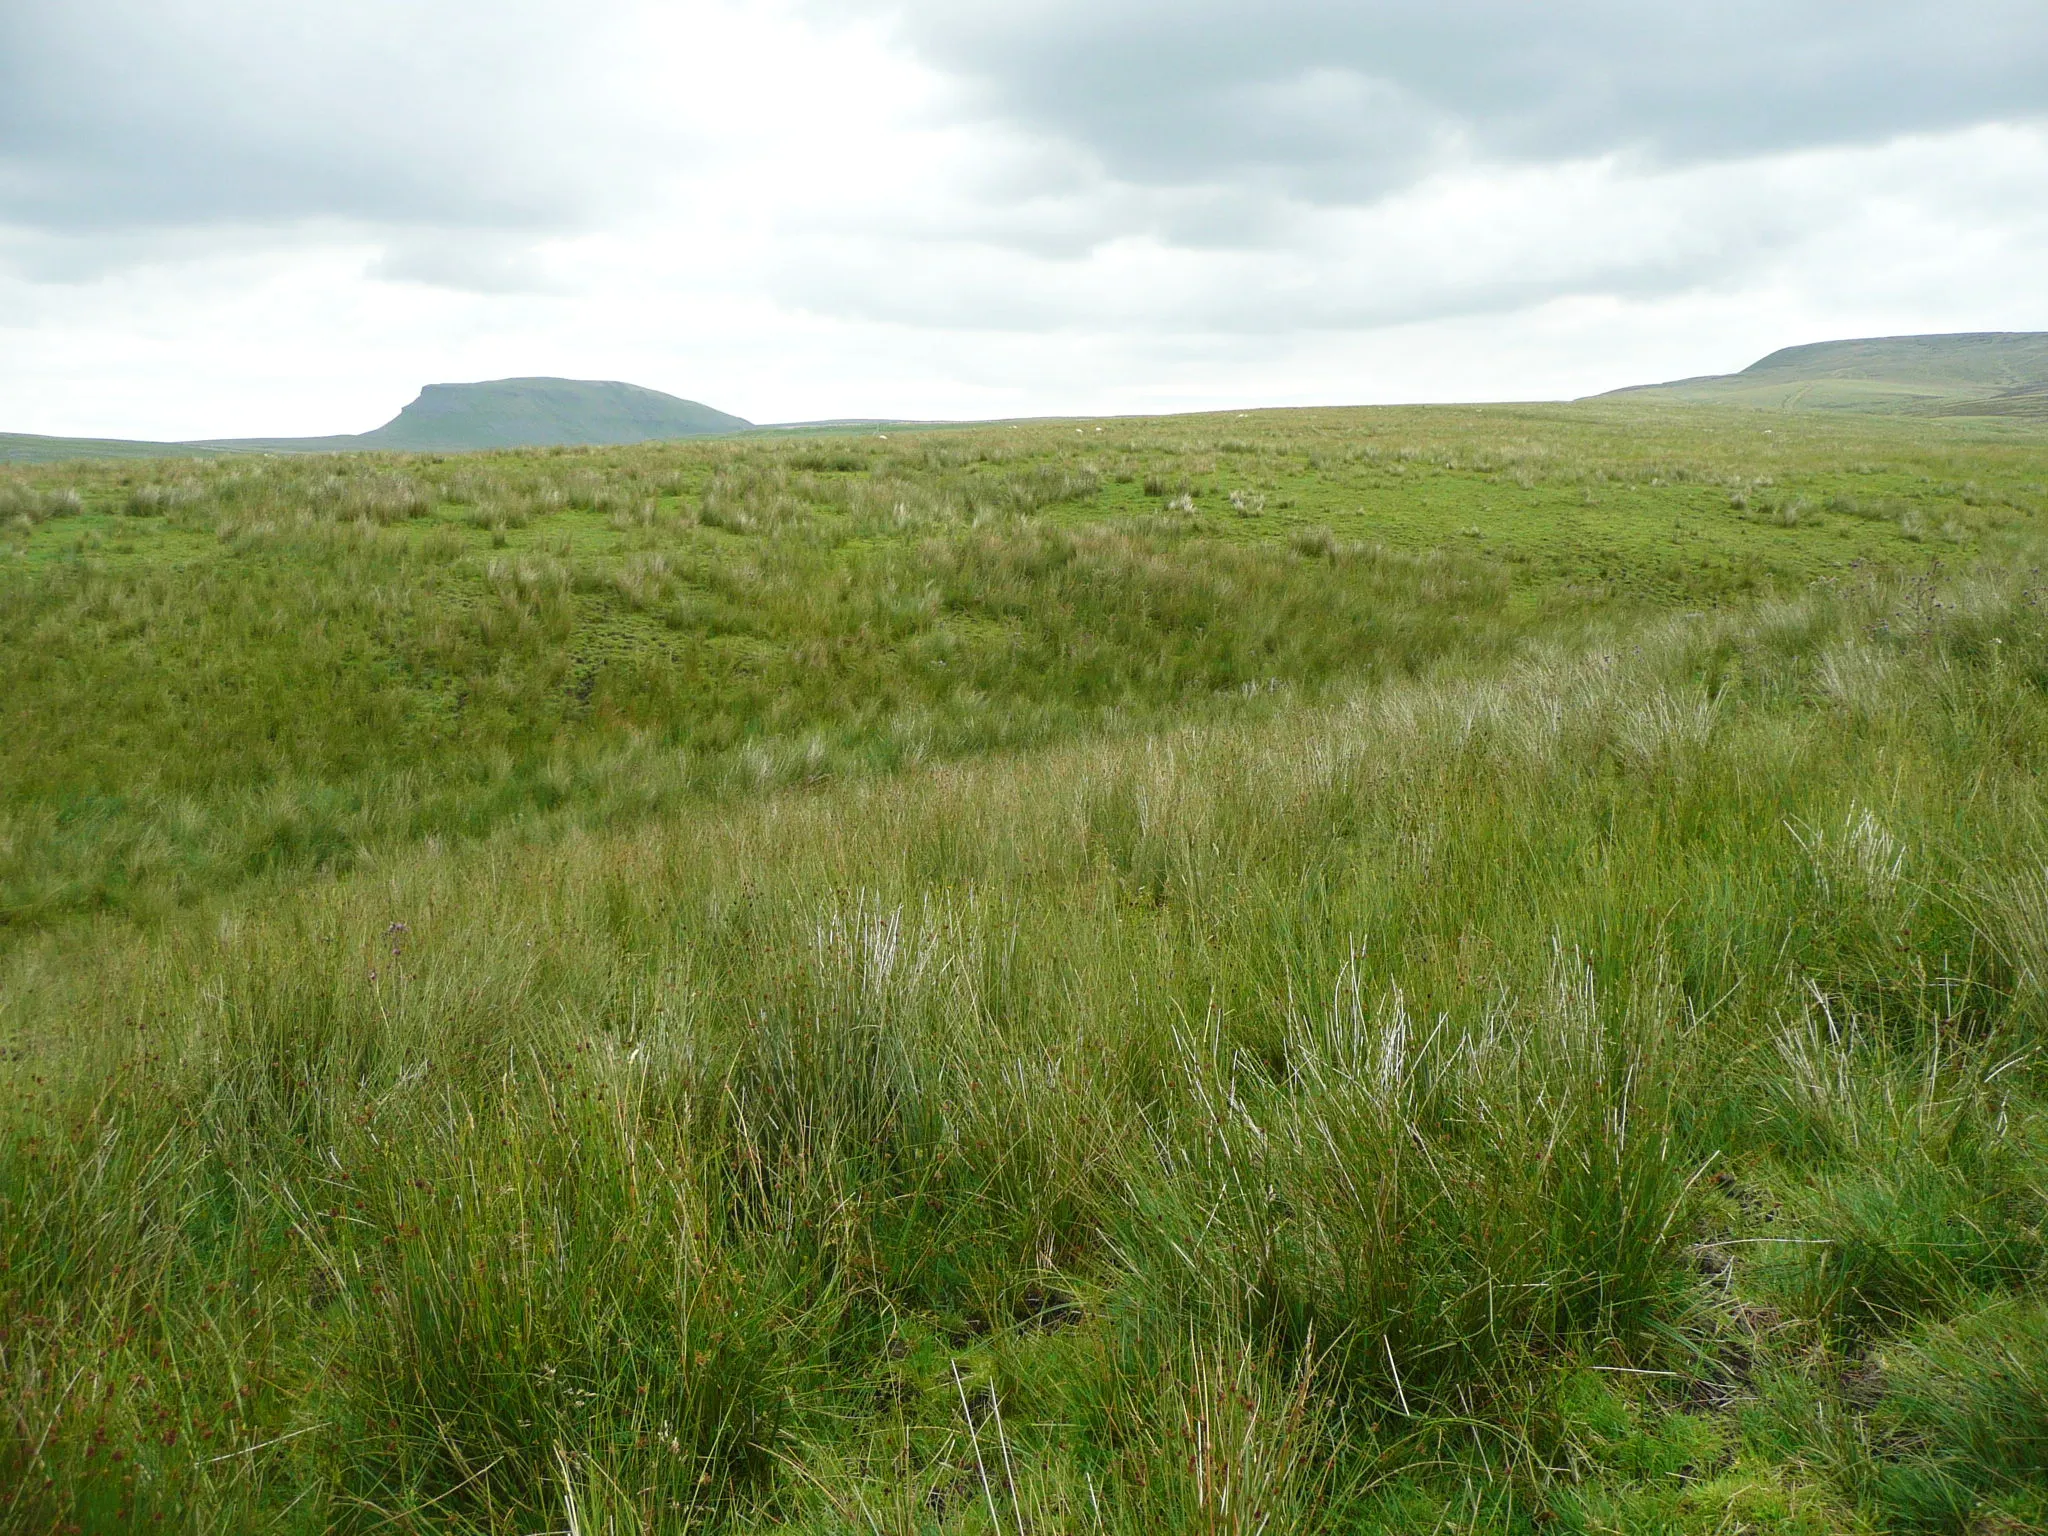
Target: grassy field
{"type": "Point", "coordinates": [1382, 971]}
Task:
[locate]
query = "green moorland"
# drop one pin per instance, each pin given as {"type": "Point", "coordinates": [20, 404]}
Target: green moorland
{"type": "Point", "coordinates": [1474, 970]}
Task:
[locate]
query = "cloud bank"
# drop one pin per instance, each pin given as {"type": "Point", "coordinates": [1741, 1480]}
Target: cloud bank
{"type": "Point", "coordinates": [299, 214]}
{"type": "Point", "coordinates": [1343, 102]}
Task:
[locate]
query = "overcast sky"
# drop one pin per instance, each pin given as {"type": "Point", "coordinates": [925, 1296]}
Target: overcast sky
{"type": "Point", "coordinates": [245, 217]}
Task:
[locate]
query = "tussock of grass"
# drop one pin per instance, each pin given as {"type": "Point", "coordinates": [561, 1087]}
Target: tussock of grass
{"type": "Point", "coordinates": [1971, 1397]}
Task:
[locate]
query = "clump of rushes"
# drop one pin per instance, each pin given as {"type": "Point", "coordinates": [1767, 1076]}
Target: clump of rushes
{"type": "Point", "coordinates": [1970, 1396]}
{"type": "Point", "coordinates": [555, 1274]}
{"type": "Point", "coordinates": [1436, 1204]}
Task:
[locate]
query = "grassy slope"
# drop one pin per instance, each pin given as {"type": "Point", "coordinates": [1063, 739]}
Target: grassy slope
{"type": "Point", "coordinates": [1483, 970]}
{"type": "Point", "coordinates": [1992, 374]}
{"type": "Point", "coordinates": [602, 633]}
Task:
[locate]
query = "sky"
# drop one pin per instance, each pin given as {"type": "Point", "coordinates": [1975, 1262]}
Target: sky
{"type": "Point", "coordinates": [235, 217]}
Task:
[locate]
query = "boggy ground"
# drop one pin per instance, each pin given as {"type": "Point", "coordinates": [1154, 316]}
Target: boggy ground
{"type": "Point", "coordinates": [1356, 971]}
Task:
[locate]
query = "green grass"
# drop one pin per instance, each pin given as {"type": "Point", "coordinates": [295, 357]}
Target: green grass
{"type": "Point", "coordinates": [967, 981]}
{"type": "Point", "coordinates": [605, 635]}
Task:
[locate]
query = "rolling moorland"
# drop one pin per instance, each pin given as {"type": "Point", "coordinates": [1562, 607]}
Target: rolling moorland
{"type": "Point", "coordinates": [1402, 970]}
{"type": "Point", "coordinates": [2000, 373]}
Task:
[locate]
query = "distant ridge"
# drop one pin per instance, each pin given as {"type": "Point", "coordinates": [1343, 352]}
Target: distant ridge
{"type": "Point", "coordinates": [1975, 373]}
{"type": "Point", "coordinates": [452, 418]}
{"type": "Point", "coordinates": [26, 448]}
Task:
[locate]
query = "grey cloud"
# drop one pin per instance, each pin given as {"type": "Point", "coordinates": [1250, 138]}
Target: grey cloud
{"type": "Point", "coordinates": [468, 261]}
{"type": "Point", "coordinates": [975, 289]}
{"type": "Point", "coordinates": [1341, 102]}
{"type": "Point", "coordinates": [1253, 306]}
{"type": "Point", "coordinates": [1489, 240]}
{"type": "Point", "coordinates": [126, 115]}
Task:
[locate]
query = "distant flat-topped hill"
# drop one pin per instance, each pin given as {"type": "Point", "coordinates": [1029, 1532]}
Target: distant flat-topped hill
{"type": "Point", "coordinates": [532, 413]}
{"type": "Point", "coordinates": [454, 418]}
{"type": "Point", "coordinates": [1983, 373]}
{"type": "Point", "coordinates": [523, 413]}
